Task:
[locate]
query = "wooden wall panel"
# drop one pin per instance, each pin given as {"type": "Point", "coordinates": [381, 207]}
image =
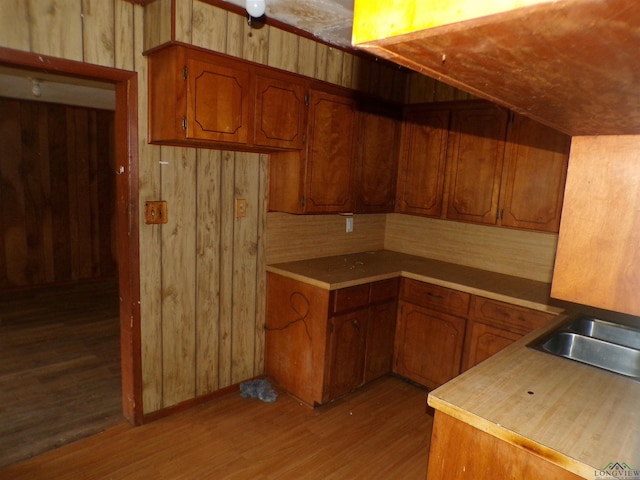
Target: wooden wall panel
{"type": "Point", "coordinates": [296, 237]}
{"type": "Point", "coordinates": [97, 32]}
{"type": "Point", "coordinates": [512, 252]}
{"type": "Point", "coordinates": [56, 28]}
{"type": "Point", "coordinates": [57, 193]}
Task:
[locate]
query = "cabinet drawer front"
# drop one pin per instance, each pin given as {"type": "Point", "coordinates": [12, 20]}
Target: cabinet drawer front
{"type": "Point", "coordinates": [438, 298]}
{"type": "Point", "coordinates": [384, 290]}
{"type": "Point", "coordinates": [512, 317]}
{"type": "Point", "coordinates": [350, 298]}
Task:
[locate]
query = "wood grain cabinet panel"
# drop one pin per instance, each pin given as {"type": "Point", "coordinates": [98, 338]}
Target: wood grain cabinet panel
{"type": "Point", "coordinates": [422, 161]}
{"type": "Point", "coordinates": [533, 180]}
{"type": "Point", "coordinates": [475, 157]}
{"type": "Point", "coordinates": [330, 154]}
{"type": "Point", "coordinates": [218, 99]}
{"type": "Point", "coordinates": [460, 451]}
{"type": "Point", "coordinates": [321, 344]}
{"type": "Point", "coordinates": [428, 345]}
{"type": "Point", "coordinates": [377, 161]}
{"type": "Point", "coordinates": [280, 111]}
{"type": "Point", "coordinates": [494, 325]}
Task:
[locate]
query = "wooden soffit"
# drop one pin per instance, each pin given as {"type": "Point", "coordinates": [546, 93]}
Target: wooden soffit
{"type": "Point", "coordinates": [571, 64]}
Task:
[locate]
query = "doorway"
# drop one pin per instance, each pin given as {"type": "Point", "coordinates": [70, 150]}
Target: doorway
{"type": "Point", "coordinates": [126, 217]}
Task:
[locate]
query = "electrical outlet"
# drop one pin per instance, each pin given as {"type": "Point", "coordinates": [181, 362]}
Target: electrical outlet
{"type": "Point", "coordinates": [241, 208]}
{"type": "Point", "coordinates": [155, 213]}
{"type": "Point", "coordinates": [349, 224]}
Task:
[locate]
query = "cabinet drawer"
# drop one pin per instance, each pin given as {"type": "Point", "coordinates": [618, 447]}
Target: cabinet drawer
{"type": "Point", "coordinates": [438, 298]}
{"type": "Point", "coordinates": [384, 290]}
{"type": "Point", "coordinates": [349, 298]}
{"type": "Point", "coordinates": [512, 317]}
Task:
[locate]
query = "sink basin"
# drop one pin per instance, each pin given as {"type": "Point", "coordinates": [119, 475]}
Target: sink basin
{"type": "Point", "coordinates": [607, 331]}
{"type": "Point", "coordinates": [595, 342]}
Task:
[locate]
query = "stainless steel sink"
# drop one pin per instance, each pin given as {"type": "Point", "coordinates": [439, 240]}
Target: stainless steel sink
{"type": "Point", "coordinates": [596, 342]}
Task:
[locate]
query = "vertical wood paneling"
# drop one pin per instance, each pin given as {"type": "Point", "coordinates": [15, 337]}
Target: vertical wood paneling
{"type": "Point", "coordinates": [261, 265]}
{"type": "Point", "coordinates": [227, 242]}
{"type": "Point", "coordinates": [209, 27]}
{"type": "Point", "coordinates": [14, 24]}
{"type": "Point", "coordinates": [255, 43]}
{"type": "Point", "coordinates": [307, 57]}
{"type": "Point", "coordinates": [124, 35]}
{"type": "Point", "coordinates": [183, 20]}
{"type": "Point", "coordinates": [283, 50]}
{"type": "Point", "coordinates": [334, 65]}
{"type": "Point", "coordinates": [178, 275]}
{"type": "Point", "coordinates": [208, 276]}
{"type": "Point", "coordinates": [97, 32]}
{"type": "Point", "coordinates": [58, 188]}
{"type": "Point", "coordinates": [235, 34]}
{"type": "Point", "coordinates": [56, 28]}
{"type": "Point", "coordinates": [157, 23]}
{"type": "Point", "coordinates": [246, 180]}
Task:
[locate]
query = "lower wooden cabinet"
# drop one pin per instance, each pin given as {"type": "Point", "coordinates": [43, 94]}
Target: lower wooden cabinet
{"type": "Point", "coordinates": [429, 333]}
{"type": "Point", "coordinates": [494, 325]}
{"type": "Point", "coordinates": [321, 344]}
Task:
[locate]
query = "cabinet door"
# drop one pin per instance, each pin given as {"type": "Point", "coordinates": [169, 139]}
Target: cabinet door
{"type": "Point", "coordinates": [218, 98]}
{"type": "Point", "coordinates": [347, 349]}
{"type": "Point", "coordinates": [380, 336]}
{"type": "Point", "coordinates": [475, 157]}
{"type": "Point", "coordinates": [330, 154]}
{"type": "Point", "coordinates": [280, 111]}
{"type": "Point", "coordinates": [485, 341]}
{"type": "Point", "coordinates": [379, 134]}
{"type": "Point", "coordinates": [422, 162]}
{"type": "Point", "coordinates": [429, 345]}
{"type": "Point", "coordinates": [534, 175]}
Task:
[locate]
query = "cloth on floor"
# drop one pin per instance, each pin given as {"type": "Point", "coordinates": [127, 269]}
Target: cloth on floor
{"type": "Point", "coordinates": [258, 389]}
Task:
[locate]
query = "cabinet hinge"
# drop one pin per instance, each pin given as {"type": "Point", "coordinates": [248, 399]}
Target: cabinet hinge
{"type": "Point", "coordinates": [307, 100]}
{"type": "Point", "coordinates": [185, 72]}
{"type": "Point", "coordinates": [184, 123]}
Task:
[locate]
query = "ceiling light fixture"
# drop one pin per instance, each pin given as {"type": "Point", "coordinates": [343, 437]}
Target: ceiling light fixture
{"type": "Point", "coordinates": [256, 8]}
{"type": "Point", "coordinates": [35, 87]}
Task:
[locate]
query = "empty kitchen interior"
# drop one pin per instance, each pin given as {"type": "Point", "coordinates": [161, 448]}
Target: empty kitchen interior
{"type": "Point", "coordinates": [202, 279]}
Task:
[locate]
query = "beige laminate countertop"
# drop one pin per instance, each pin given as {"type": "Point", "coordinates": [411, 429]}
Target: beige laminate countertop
{"type": "Point", "coordinates": [342, 271]}
{"type": "Point", "coordinates": [575, 416]}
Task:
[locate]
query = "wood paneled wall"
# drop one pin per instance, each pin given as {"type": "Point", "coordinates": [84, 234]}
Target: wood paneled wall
{"type": "Point", "coordinates": [56, 193]}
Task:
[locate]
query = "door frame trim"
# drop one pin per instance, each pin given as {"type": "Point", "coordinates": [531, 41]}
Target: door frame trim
{"type": "Point", "coordinates": [127, 197]}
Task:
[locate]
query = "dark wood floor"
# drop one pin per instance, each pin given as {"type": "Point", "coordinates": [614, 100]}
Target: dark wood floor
{"type": "Point", "coordinates": [59, 367]}
{"type": "Point", "coordinates": [381, 431]}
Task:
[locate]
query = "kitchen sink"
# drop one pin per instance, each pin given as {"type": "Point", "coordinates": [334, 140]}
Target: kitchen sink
{"type": "Point", "coordinates": [595, 342]}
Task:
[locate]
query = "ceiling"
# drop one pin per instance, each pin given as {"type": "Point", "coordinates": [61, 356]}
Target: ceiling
{"type": "Point", "coordinates": [329, 20]}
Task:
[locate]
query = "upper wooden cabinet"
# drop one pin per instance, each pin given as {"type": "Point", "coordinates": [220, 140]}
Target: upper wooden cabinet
{"type": "Point", "coordinates": [477, 162]}
{"type": "Point", "coordinates": [475, 154]}
{"type": "Point", "coordinates": [377, 160]}
{"type": "Point", "coordinates": [280, 111]}
{"type": "Point", "coordinates": [206, 99]}
{"type": "Point", "coordinates": [534, 175]}
{"type": "Point", "coordinates": [319, 179]}
{"type": "Point", "coordinates": [422, 161]}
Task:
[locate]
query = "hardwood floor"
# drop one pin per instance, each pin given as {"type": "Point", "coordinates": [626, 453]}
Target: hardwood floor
{"type": "Point", "coordinates": [382, 431]}
{"type": "Point", "coordinates": [59, 367]}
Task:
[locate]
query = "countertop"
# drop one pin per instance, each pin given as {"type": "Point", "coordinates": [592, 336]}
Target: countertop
{"type": "Point", "coordinates": [578, 417]}
{"type": "Point", "coordinates": [342, 271]}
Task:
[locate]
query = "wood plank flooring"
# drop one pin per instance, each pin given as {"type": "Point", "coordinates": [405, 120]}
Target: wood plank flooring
{"type": "Point", "coordinates": [382, 431]}
{"type": "Point", "coordinates": [59, 367]}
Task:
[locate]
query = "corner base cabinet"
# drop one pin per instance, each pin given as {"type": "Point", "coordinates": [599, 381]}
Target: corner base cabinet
{"type": "Point", "coordinates": [321, 344]}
